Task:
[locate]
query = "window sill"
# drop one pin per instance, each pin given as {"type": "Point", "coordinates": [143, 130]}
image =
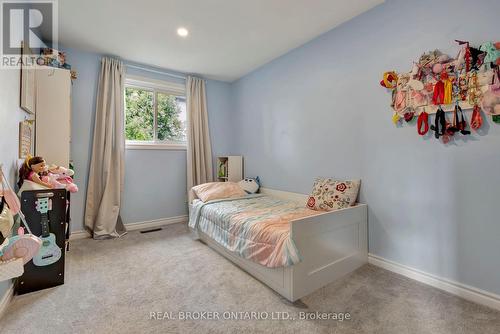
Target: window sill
{"type": "Point", "coordinates": [155, 146]}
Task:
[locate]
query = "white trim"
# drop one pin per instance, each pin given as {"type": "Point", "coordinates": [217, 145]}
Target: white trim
{"type": "Point", "coordinates": [76, 235]}
{"type": "Point", "coordinates": [6, 299]}
{"type": "Point", "coordinates": [159, 85]}
{"type": "Point", "coordinates": [458, 289]}
{"type": "Point", "coordinates": [155, 146]}
{"type": "Point", "coordinates": [156, 223]}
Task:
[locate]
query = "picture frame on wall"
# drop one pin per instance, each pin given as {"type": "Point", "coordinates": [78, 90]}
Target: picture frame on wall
{"type": "Point", "coordinates": [26, 139]}
{"type": "Point", "coordinates": [27, 84]}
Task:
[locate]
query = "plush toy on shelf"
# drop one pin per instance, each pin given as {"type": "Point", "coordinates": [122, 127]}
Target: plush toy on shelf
{"type": "Point", "coordinates": [32, 170]}
{"type": "Point", "coordinates": [60, 178]}
{"type": "Point", "coordinates": [35, 169]}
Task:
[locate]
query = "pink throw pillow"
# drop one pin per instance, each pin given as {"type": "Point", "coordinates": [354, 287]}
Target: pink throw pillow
{"type": "Point", "coordinates": [218, 190]}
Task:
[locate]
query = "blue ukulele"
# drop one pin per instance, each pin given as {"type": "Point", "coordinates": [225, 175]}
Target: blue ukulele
{"type": "Point", "coordinates": [49, 251]}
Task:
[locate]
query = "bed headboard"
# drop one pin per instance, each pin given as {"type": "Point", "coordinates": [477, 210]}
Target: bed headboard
{"type": "Point", "coordinates": [296, 197]}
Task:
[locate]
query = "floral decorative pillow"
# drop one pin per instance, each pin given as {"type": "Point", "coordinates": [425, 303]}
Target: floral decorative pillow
{"type": "Point", "coordinates": [330, 194]}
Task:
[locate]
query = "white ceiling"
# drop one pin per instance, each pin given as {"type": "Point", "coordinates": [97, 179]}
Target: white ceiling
{"type": "Point", "coordinates": [227, 38]}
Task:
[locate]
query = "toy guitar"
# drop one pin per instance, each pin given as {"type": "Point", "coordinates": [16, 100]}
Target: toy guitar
{"type": "Point", "coordinates": [49, 252]}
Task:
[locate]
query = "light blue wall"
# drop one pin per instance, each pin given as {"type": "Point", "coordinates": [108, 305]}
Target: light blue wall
{"type": "Point", "coordinates": [155, 180]}
{"type": "Point", "coordinates": [83, 95]}
{"type": "Point", "coordinates": [220, 119]}
{"type": "Point", "coordinates": [155, 185]}
{"type": "Point", "coordinates": [319, 110]}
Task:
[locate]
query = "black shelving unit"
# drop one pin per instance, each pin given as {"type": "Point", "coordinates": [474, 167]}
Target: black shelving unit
{"type": "Point", "coordinates": [41, 277]}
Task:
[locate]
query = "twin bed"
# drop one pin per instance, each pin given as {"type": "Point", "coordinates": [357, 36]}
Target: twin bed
{"type": "Point", "coordinates": [273, 237]}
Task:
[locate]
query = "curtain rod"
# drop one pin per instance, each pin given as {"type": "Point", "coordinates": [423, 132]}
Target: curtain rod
{"type": "Point", "coordinates": [156, 71]}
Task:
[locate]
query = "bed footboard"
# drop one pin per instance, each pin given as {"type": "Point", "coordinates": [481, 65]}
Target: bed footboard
{"type": "Point", "coordinates": [331, 245]}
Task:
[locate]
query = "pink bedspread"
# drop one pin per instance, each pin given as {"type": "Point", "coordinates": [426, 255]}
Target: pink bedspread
{"type": "Point", "coordinates": [256, 227]}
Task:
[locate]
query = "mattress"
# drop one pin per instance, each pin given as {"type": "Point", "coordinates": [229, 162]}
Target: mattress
{"type": "Point", "coordinates": [255, 227]}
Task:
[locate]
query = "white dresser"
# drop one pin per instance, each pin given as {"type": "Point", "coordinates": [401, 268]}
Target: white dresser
{"type": "Point", "coordinates": [53, 115]}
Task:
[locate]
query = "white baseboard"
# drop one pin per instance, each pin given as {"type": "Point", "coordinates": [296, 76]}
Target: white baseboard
{"type": "Point", "coordinates": [6, 299]}
{"type": "Point", "coordinates": [156, 223]}
{"type": "Point", "coordinates": [76, 235]}
{"type": "Point", "coordinates": [462, 290]}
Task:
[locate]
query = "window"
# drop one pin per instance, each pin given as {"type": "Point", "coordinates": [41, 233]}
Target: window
{"type": "Point", "coordinates": [155, 114]}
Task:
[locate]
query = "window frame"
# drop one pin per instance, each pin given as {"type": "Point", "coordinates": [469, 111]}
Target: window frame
{"type": "Point", "coordinates": [154, 86]}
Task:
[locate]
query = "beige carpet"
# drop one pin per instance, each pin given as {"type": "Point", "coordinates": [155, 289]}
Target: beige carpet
{"type": "Point", "coordinates": [112, 286]}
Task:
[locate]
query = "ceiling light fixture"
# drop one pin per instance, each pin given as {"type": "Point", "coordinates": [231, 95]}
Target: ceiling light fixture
{"type": "Point", "coordinates": [183, 32]}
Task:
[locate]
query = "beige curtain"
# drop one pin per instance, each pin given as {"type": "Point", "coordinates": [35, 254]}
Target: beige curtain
{"type": "Point", "coordinates": [199, 153]}
{"type": "Point", "coordinates": [106, 176]}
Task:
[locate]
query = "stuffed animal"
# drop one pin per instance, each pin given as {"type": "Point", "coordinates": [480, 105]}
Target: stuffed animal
{"type": "Point", "coordinates": [61, 178]}
{"type": "Point", "coordinates": [250, 185]}
{"type": "Point", "coordinates": [64, 176]}
{"type": "Point", "coordinates": [52, 180]}
{"type": "Point", "coordinates": [59, 170]}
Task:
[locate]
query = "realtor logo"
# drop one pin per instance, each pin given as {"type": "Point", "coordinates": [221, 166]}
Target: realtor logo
{"type": "Point", "coordinates": [32, 23]}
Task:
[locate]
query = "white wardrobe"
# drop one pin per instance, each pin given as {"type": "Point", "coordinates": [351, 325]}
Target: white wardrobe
{"type": "Point", "coordinates": [53, 115]}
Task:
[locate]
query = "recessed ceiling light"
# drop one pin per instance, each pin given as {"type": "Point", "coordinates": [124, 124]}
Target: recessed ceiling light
{"type": "Point", "coordinates": [183, 32]}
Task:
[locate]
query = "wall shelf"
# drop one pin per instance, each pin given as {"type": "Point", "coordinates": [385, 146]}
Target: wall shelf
{"type": "Point", "coordinates": [229, 168]}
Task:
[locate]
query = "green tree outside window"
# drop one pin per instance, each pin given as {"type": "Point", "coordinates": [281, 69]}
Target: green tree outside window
{"type": "Point", "coordinates": [140, 105]}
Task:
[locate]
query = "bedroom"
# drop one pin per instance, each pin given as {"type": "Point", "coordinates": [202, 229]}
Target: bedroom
{"type": "Point", "coordinates": [289, 91]}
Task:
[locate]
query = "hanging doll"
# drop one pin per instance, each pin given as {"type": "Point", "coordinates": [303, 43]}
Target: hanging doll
{"type": "Point", "coordinates": [33, 169]}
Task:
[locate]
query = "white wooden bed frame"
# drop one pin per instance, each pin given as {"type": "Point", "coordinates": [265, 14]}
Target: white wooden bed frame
{"type": "Point", "coordinates": [331, 245]}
